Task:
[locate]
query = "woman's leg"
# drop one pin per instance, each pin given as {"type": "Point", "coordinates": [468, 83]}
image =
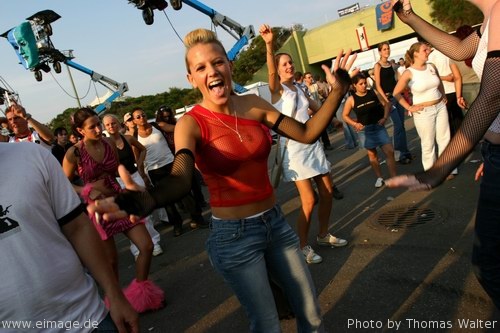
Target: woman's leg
{"type": "Point", "coordinates": [389, 156]}
{"type": "Point", "coordinates": [398, 118]}
{"type": "Point", "coordinates": [306, 193]}
{"type": "Point", "coordinates": [236, 250]}
{"type": "Point", "coordinates": [325, 189]}
{"type": "Point", "coordinates": [442, 127]}
{"type": "Point", "coordinates": [425, 123]}
{"type": "Point", "coordinates": [373, 158]}
{"type": "Point", "coordinates": [111, 254]}
{"type": "Point", "coordinates": [140, 237]}
{"type": "Point", "coordinates": [287, 266]}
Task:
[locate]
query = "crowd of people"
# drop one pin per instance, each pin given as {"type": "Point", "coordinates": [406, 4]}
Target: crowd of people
{"type": "Point", "coordinates": [225, 140]}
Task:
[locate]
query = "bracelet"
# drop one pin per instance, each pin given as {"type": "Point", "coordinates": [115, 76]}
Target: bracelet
{"type": "Point", "coordinates": [28, 116]}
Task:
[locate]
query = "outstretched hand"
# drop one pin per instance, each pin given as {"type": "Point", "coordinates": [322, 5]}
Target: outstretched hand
{"type": "Point", "coordinates": [409, 181]}
{"type": "Point", "coordinates": [107, 208]}
{"type": "Point", "coordinates": [339, 75]}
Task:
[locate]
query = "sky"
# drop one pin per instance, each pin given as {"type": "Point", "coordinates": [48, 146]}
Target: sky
{"type": "Point", "coordinates": [111, 38]}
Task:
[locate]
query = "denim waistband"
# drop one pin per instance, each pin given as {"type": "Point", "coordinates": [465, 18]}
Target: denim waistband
{"type": "Point", "coordinates": [486, 145]}
{"type": "Point", "coordinates": [273, 212]}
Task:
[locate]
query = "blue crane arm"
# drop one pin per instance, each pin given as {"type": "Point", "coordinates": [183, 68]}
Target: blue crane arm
{"type": "Point", "coordinates": [118, 88]}
{"type": "Point", "coordinates": [242, 34]}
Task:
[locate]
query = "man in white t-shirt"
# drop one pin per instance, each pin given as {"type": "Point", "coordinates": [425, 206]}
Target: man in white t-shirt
{"type": "Point", "coordinates": [46, 239]}
{"type": "Point", "coordinates": [452, 82]}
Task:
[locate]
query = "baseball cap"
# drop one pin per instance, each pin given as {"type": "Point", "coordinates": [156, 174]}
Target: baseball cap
{"type": "Point", "coordinates": [127, 116]}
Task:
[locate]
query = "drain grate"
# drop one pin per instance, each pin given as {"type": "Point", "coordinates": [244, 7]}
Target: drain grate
{"type": "Point", "coordinates": [405, 217]}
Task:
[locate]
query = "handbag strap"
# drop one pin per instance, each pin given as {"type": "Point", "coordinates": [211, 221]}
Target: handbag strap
{"type": "Point", "coordinates": [294, 112]}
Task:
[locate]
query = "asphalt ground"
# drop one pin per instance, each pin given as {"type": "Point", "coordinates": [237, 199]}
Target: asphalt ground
{"type": "Point", "coordinates": [406, 268]}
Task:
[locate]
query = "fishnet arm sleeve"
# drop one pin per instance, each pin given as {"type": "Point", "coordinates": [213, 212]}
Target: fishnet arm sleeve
{"type": "Point", "coordinates": [450, 45]}
{"type": "Point", "coordinates": [169, 190]}
{"type": "Point", "coordinates": [481, 114]}
{"type": "Point", "coordinates": [310, 131]}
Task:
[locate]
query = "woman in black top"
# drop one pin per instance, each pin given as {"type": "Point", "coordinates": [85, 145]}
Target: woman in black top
{"type": "Point", "coordinates": [371, 112]}
{"type": "Point", "coordinates": [385, 81]}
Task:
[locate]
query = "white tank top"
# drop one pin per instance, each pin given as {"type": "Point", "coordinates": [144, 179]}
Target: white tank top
{"type": "Point", "coordinates": [478, 65]}
{"type": "Point", "coordinates": [158, 153]}
{"type": "Point", "coordinates": [424, 84]}
{"type": "Point", "coordinates": [481, 53]}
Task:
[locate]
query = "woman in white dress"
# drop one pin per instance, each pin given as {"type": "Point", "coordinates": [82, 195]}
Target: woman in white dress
{"type": "Point", "coordinates": [302, 163]}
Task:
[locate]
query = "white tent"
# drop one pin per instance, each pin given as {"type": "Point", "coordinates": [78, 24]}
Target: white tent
{"type": "Point", "coordinates": [98, 100]}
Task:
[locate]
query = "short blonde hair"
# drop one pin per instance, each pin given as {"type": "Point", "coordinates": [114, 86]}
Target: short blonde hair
{"type": "Point", "coordinates": [200, 36]}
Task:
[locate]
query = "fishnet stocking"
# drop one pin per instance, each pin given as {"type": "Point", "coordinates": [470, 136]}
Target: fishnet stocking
{"type": "Point", "coordinates": [450, 45]}
{"type": "Point", "coordinates": [169, 190]}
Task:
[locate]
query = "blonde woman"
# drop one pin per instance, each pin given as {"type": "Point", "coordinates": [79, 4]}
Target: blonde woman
{"type": "Point", "coordinates": [429, 102]}
{"type": "Point", "coordinates": [228, 137]}
{"type": "Point", "coordinates": [302, 163]}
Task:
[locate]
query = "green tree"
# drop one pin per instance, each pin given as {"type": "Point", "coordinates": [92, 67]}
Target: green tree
{"type": "Point", "coordinates": [253, 58]}
{"type": "Point", "coordinates": [452, 14]}
{"type": "Point", "coordinates": [248, 62]}
{"type": "Point", "coordinates": [175, 98]}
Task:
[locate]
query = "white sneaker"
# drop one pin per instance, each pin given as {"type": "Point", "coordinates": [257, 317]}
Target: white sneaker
{"type": "Point", "coordinates": [157, 250]}
{"type": "Point", "coordinates": [330, 240]}
{"type": "Point", "coordinates": [379, 182]}
{"type": "Point", "coordinates": [311, 256]}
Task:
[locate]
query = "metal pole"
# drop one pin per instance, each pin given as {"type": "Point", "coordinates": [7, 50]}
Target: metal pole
{"type": "Point", "coordinates": [69, 54]}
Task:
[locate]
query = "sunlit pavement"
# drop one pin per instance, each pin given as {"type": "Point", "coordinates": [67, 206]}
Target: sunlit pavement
{"type": "Point", "coordinates": [406, 268]}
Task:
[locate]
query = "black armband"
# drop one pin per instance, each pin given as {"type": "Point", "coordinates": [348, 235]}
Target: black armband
{"type": "Point", "coordinates": [278, 122]}
{"type": "Point", "coordinates": [185, 151]}
{"type": "Point", "coordinates": [493, 54]}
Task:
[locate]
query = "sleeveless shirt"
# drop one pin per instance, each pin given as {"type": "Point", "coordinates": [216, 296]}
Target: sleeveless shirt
{"type": "Point", "coordinates": [387, 79]}
{"type": "Point", "coordinates": [235, 172]}
{"type": "Point", "coordinates": [424, 84]}
{"type": "Point", "coordinates": [368, 108]}
{"type": "Point", "coordinates": [126, 156]}
{"type": "Point", "coordinates": [478, 65]}
{"type": "Point", "coordinates": [91, 170]}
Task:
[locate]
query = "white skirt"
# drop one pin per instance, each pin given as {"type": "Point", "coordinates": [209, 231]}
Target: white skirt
{"type": "Point", "coordinates": [304, 161]}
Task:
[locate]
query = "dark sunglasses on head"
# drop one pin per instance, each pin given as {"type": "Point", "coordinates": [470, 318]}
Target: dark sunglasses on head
{"type": "Point", "coordinates": [163, 108]}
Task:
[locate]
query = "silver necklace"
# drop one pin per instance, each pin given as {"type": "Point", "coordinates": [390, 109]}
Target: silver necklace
{"type": "Point", "coordinates": [232, 129]}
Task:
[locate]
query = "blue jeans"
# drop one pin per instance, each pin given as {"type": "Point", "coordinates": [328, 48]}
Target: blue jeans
{"type": "Point", "coordinates": [486, 249]}
{"type": "Point", "coordinates": [245, 251]}
{"type": "Point", "coordinates": [350, 136]}
{"type": "Point", "coordinates": [398, 119]}
{"type": "Point", "coordinates": [106, 326]}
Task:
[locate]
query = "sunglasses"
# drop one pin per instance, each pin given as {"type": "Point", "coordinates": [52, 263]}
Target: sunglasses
{"type": "Point", "coordinates": [140, 116]}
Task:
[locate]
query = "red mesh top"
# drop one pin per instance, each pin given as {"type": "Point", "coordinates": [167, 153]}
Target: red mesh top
{"type": "Point", "coordinates": [235, 172]}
